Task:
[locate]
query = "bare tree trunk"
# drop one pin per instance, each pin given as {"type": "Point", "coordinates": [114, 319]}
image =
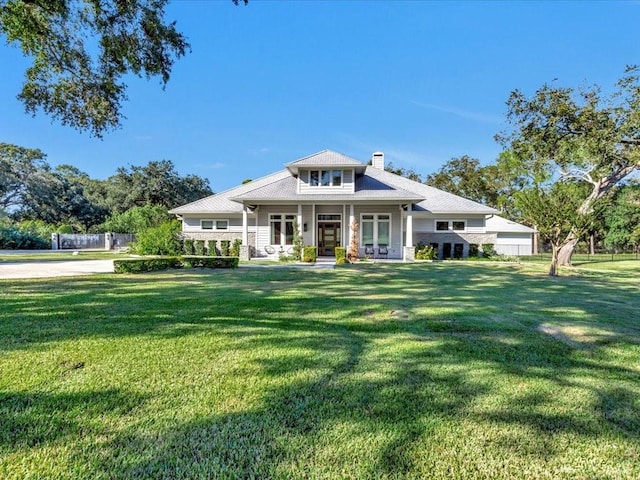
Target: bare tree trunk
{"type": "Point", "coordinates": [566, 250]}
{"type": "Point", "coordinates": [553, 268]}
{"type": "Point", "coordinates": [592, 243]}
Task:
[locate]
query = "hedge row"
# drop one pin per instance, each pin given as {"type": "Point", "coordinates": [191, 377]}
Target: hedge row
{"type": "Point", "coordinates": [142, 265]}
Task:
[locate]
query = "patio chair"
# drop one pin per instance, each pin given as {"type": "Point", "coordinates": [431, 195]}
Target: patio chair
{"type": "Point", "coordinates": [369, 250]}
{"type": "Point", "coordinates": [383, 252]}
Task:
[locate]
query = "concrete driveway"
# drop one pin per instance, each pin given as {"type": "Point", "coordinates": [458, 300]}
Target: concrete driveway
{"type": "Point", "coordinates": [54, 268]}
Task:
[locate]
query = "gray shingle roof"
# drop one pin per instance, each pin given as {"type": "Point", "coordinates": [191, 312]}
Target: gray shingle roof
{"type": "Point", "coordinates": [325, 158]}
{"type": "Point", "coordinates": [367, 188]}
{"type": "Point", "coordinates": [220, 203]}
{"type": "Point", "coordinates": [435, 200]}
{"type": "Point", "coordinates": [373, 185]}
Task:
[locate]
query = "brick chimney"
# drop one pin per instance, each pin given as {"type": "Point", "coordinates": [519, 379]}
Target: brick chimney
{"type": "Point", "coordinates": [377, 160]}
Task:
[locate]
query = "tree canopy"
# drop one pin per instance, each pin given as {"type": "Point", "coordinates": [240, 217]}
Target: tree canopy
{"type": "Point", "coordinates": [31, 190]}
{"type": "Point", "coordinates": [564, 133]}
{"type": "Point", "coordinates": [82, 50]}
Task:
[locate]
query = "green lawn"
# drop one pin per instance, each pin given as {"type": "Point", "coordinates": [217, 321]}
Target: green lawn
{"type": "Point", "coordinates": [437, 370]}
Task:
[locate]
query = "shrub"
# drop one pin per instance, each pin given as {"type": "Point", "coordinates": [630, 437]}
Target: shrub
{"type": "Point", "coordinates": [341, 255]}
{"type": "Point", "coordinates": [224, 247]}
{"type": "Point", "coordinates": [198, 247]}
{"type": "Point", "coordinates": [162, 240]}
{"type": "Point", "coordinates": [12, 238]}
{"type": "Point", "coordinates": [188, 246]}
{"type": "Point", "coordinates": [212, 250]}
{"type": "Point", "coordinates": [234, 251]}
{"type": "Point", "coordinates": [142, 265]}
{"type": "Point", "coordinates": [487, 250]}
{"type": "Point", "coordinates": [286, 258]}
{"type": "Point", "coordinates": [474, 249]}
{"type": "Point", "coordinates": [506, 258]}
{"type": "Point", "coordinates": [208, 262]}
{"type": "Point", "coordinates": [309, 254]}
{"type": "Point", "coordinates": [137, 219]}
{"type": "Point", "coordinates": [425, 252]}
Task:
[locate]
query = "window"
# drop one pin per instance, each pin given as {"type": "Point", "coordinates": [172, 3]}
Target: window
{"type": "Point", "coordinates": [214, 224]}
{"type": "Point", "coordinates": [451, 225]}
{"type": "Point", "coordinates": [288, 229]}
{"type": "Point", "coordinates": [376, 229]}
{"type": "Point", "coordinates": [384, 227]}
{"type": "Point", "coordinates": [325, 178]}
{"type": "Point", "coordinates": [281, 229]}
{"type": "Point", "coordinates": [336, 176]}
{"type": "Point", "coordinates": [367, 229]}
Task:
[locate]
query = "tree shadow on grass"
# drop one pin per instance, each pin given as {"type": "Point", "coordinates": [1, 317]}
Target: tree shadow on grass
{"type": "Point", "coordinates": [377, 406]}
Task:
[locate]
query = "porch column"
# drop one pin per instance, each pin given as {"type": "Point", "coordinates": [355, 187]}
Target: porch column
{"type": "Point", "coordinates": [409, 251]}
{"type": "Point", "coordinates": [313, 225]}
{"type": "Point", "coordinates": [299, 219]}
{"type": "Point", "coordinates": [245, 226]}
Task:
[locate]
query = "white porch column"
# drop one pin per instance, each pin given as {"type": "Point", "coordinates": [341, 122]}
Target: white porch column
{"type": "Point", "coordinates": [245, 226]}
{"type": "Point", "coordinates": [299, 219]}
{"type": "Point", "coordinates": [409, 251]}
{"type": "Point", "coordinates": [409, 240]}
{"type": "Point", "coordinates": [313, 225]}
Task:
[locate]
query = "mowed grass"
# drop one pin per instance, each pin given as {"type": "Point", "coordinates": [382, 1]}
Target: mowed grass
{"type": "Point", "coordinates": [452, 370]}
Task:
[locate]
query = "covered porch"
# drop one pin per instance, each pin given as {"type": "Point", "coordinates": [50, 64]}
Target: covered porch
{"type": "Point", "coordinates": [382, 229]}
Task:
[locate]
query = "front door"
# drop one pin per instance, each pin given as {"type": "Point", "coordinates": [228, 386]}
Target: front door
{"type": "Point", "coordinates": [328, 238]}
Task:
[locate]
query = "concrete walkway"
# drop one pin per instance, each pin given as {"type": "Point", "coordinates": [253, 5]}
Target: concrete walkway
{"type": "Point", "coordinates": [54, 269]}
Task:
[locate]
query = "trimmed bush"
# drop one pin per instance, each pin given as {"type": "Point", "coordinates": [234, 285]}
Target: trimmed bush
{"type": "Point", "coordinates": [198, 247]}
{"type": "Point", "coordinates": [224, 247]}
{"type": "Point", "coordinates": [234, 251]}
{"type": "Point", "coordinates": [188, 246]}
{"type": "Point", "coordinates": [341, 255]}
{"type": "Point", "coordinates": [212, 250]}
{"type": "Point", "coordinates": [209, 262]}
{"type": "Point", "coordinates": [309, 254]}
{"type": "Point", "coordinates": [474, 249]}
{"type": "Point", "coordinates": [142, 265]}
{"type": "Point", "coordinates": [487, 250]}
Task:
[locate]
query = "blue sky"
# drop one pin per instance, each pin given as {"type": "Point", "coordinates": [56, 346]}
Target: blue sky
{"type": "Point", "coordinates": [271, 82]}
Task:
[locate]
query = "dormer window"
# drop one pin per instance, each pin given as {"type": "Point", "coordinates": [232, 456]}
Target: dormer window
{"type": "Point", "coordinates": [325, 178]}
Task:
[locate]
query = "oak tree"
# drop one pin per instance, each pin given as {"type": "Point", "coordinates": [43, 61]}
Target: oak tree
{"type": "Point", "coordinates": [83, 49]}
{"type": "Point", "coordinates": [564, 133]}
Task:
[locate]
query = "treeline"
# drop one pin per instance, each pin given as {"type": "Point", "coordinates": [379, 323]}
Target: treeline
{"type": "Point", "coordinates": [37, 199]}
